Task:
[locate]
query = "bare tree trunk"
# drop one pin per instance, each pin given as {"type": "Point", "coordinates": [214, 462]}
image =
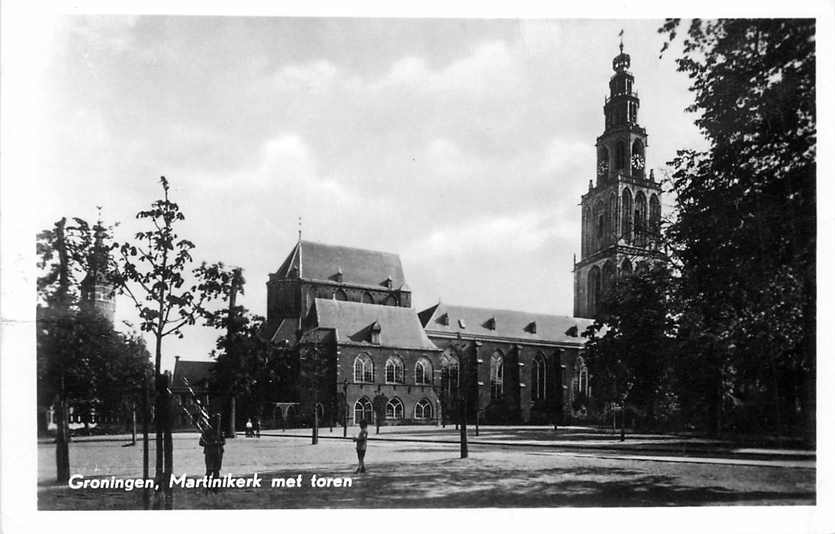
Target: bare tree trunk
{"type": "Point", "coordinates": [133, 423]}
{"type": "Point", "coordinates": [62, 447]}
{"type": "Point", "coordinates": [232, 416]}
{"type": "Point", "coordinates": [145, 417]}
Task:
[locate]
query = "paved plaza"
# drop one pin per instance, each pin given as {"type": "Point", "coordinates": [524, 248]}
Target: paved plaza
{"type": "Point", "coordinates": [420, 467]}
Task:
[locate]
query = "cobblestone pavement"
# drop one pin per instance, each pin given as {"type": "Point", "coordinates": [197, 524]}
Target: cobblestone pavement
{"type": "Point", "coordinates": [421, 474]}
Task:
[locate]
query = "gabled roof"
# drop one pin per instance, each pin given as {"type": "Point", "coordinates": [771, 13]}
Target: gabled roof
{"type": "Point", "coordinates": [353, 322]}
{"type": "Point", "coordinates": [280, 330]}
{"type": "Point", "coordinates": [506, 324]}
{"type": "Point", "coordinates": [316, 261]}
{"type": "Point", "coordinates": [197, 373]}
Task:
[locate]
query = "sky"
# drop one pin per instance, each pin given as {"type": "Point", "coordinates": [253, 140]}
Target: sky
{"type": "Point", "coordinates": [461, 144]}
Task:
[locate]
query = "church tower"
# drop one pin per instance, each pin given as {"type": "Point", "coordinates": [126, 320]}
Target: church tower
{"type": "Point", "coordinates": [621, 212]}
{"type": "Point", "coordinates": [97, 292]}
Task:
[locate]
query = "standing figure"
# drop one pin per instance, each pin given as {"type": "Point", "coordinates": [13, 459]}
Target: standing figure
{"type": "Point", "coordinates": [212, 441]}
{"type": "Point", "coordinates": [257, 427]}
{"type": "Point", "coordinates": [249, 428]}
{"type": "Point", "coordinates": [362, 441]}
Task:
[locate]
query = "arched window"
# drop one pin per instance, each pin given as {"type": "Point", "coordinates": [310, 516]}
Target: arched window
{"type": "Point", "coordinates": [394, 370]}
{"type": "Point", "coordinates": [363, 411]}
{"type": "Point", "coordinates": [390, 301]}
{"type": "Point", "coordinates": [423, 409]}
{"type": "Point", "coordinates": [599, 224]}
{"type": "Point", "coordinates": [612, 220]}
{"type": "Point", "coordinates": [496, 376]}
{"type": "Point", "coordinates": [449, 372]}
{"type": "Point", "coordinates": [539, 378]}
{"type": "Point", "coordinates": [423, 372]}
{"type": "Point", "coordinates": [340, 295]}
{"type": "Point", "coordinates": [626, 219]}
{"type": "Point", "coordinates": [582, 376]}
{"type": "Point", "coordinates": [593, 289]}
{"type": "Point", "coordinates": [602, 161]}
{"type": "Point", "coordinates": [642, 267]}
{"type": "Point", "coordinates": [620, 156]}
{"type": "Point", "coordinates": [640, 218]}
{"type": "Point", "coordinates": [394, 409]}
{"type": "Point", "coordinates": [626, 267]}
{"type": "Point", "coordinates": [654, 216]}
{"type": "Point", "coordinates": [367, 298]}
{"type": "Point", "coordinates": [608, 280]}
{"type": "Point", "coordinates": [585, 232]}
{"type": "Point", "coordinates": [363, 369]}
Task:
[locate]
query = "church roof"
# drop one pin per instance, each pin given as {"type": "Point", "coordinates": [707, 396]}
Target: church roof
{"type": "Point", "coordinates": [355, 266]}
{"type": "Point", "coordinates": [505, 324]}
{"type": "Point", "coordinates": [353, 323]}
{"type": "Point", "coordinates": [197, 373]}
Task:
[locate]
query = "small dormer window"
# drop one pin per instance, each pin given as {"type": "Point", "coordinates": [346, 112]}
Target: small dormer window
{"type": "Point", "coordinates": [461, 323]}
{"type": "Point", "coordinates": [375, 333]}
{"type": "Point", "coordinates": [338, 276]}
{"type": "Point", "coordinates": [490, 324]}
{"type": "Point", "coordinates": [387, 283]}
{"type": "Point", "coordinates": [444, 319]}
{"type": "Point", "coordinates": [572, 332]}
{"type": "Point", "coordinates": [531, 327]}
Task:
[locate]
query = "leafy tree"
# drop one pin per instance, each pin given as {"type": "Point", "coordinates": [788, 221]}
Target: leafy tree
{"type": "Point", "coordinates": [152, 271]}
{"type": "Point", "coordinates": [247, 363]}
{"type": "Point", "coordinates": [744, 235]}
{"type": "Point", "coordinates": [80, 357]}
{"type": "Point", "coordinates": [629, 346]}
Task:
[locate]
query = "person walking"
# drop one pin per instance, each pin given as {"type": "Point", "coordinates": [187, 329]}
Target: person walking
{"type": "Point", "coordinates": [362, 442]}
{"type": "Point", "coordinates": [249, 428]}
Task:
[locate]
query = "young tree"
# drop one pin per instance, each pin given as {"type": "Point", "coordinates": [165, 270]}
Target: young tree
{"type": "Point", "coordinates": [745, 229]}
{"type": "Point", "coordinates": [152, 271]}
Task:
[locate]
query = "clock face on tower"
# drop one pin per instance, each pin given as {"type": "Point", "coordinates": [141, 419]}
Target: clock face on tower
{"type": "Point", "coordinates": [602, 167]}
{"type": "Point", "coordinates": [637, 162]}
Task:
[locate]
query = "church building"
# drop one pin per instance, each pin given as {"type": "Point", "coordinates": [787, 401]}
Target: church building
{"type": "Point", "coordinates": [361, 348]}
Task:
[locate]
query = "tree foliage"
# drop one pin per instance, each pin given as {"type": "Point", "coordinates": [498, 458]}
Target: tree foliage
{"type": "Point", "coordinates": [744, 233]}
{"type": "Point", "coordinates": [629, 347]}
{"type": "Point", "coordinates": [81, 357]}
{"type": "Point", "coordinates": [725, 340]}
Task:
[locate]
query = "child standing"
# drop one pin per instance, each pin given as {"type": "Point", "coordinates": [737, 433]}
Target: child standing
{"type": "Point", "coordinates": [362, 441]}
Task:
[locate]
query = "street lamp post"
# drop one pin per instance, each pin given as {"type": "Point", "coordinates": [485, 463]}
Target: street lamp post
{"type": "Point", "coordinates": [478, 384]}
{"type": "Point", "coordinates": [463, 425]}
{"type": "Point", "coordinates": [345, 411]}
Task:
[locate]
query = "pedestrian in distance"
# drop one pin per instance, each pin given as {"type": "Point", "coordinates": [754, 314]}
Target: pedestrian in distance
{"type": "Point", "coordinates": [362, 442]}
{"type": "Point", "coordinates": [212, 441]}
{"type": "Point", "coordinates": [257, 427]}
{"type": "Point", "coordinates": [249, 428]}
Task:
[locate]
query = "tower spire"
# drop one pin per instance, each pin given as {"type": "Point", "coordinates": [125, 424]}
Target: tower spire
{"type": "Point", "coordinates": [300, 229]}
{"type": "Point", "coordinates": [621, 40]}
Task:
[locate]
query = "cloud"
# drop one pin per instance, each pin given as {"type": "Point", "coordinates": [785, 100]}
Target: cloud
{"type": "Point", "coordinates": [314, 77]}
{"type": "Point", "coordinates": [489, 70]}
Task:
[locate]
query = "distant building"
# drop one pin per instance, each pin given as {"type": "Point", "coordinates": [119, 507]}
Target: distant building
{"type": "Point", "coordinates": [97, 291]}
